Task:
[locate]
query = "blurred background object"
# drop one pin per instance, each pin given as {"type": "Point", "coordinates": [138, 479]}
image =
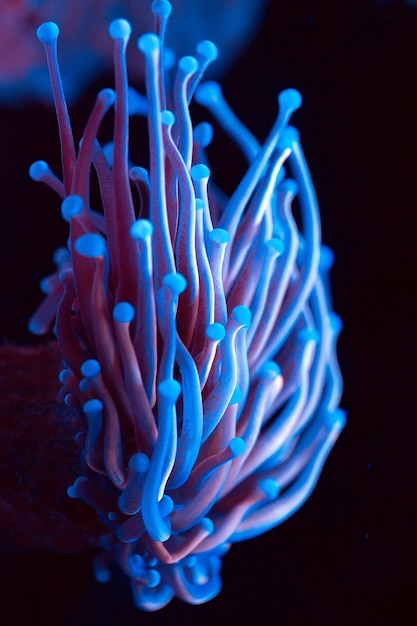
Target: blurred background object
{"type": "Point", "coordinates": [85, 48]}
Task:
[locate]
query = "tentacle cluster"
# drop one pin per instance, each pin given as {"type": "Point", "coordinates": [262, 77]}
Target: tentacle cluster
{"type": "Point", "coordinates": [197, 332]}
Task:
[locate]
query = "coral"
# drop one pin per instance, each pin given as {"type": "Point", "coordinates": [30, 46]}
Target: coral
{"type": "Point", "coordinates": [196, 329]}
{"type": "Point", "coordinates": [38, 457]}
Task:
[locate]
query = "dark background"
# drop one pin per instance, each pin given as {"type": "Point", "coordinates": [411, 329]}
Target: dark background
{"type": "Point", "coordinates": [348, 556]}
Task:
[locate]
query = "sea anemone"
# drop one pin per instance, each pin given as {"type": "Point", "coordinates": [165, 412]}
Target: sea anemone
{"type": "Point", "coordinates": [196, 329]}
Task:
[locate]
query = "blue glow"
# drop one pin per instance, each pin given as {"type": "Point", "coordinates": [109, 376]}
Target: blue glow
{"type": "Point", "coordinates": [198, 332]}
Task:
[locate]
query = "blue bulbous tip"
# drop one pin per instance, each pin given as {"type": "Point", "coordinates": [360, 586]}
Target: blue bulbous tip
{"type": "Point", "coordinates": [154, 578]}
{"type": "Point", "coordinates": [120, 29]}
{"type": "Point", "coordinates": [169, 389]}
{"type": "Point", "coordinates": [199, 171]}
{"type": "Point", "coordinates": [242, 314]}
{"type": "Point", "coordinates": [141, 229]}
{"type": "Point", "coordinates": [270, 367]}
{"type": "Point", "coordinates": [68, 399]}
{"type": "Point", "coordinates": [216, 331]}
{"type": "Point", "coordinates": [290, 100]}
{"type": "Point", "coordinates": [139, 462]}
{"type": "Point", "coordinates": [237, 446]}
{"type": "Point", "coordinates": [289, 186]}
{"type": "Point", "coordinates": [64, 375]}
{"type": "Point", "coordinates": [72, 205]}
{"type": "Point", "coordinates": [335, 419]}
{"type": "Point", "coordinates": [136, 560]}
{"type": "Point", "coordinates": [38, 169]}
{"type": "Point", "coordinates": [208, 92]}
{"type": "Point", "coordinates": [203, 134]}
{"type": "Point", "coordinates": [175, 282]}
{"type": "Point", "coordinates": [71, 492]}
{"type": "Point", "coordinates": [208, 50]}
{"type": "Point", "coordinates": [107, 97]}
{"type": "Point", "coordinates": [167, 118]}
{"type": "Point", "coordinates": [92, 407]}
{"type": "Point", "coordinates": [47, 32]}
{"type": "Point", "coordinates": [90, 368]}
{"type": "Point", "coordinates": [336, 323]}
{"type": "Point", "coordinates": [102, 573]}
{"type": "Point", "coordinates": [166, 505]}
{"type": "Point", "coordinates": [326, 259]}
{"type": "Point", "coordinates": [277, 245]}
{"type": "Point", "coordinates": [270, 487]}
{"type": "Point", "coordinates": [90, 245]}
{"type": "Point", "coordinates": [123, 312]}
{"type": "Point", "coordinates": [149, 43]}
{"type": "Point", "coordinates": [308, 334]}
{"type": "Point", "coordinates": [220, 236]}
{"type": "Point", "coordinates": [138, 173]}
{"type": "Point", "coordinates": [161, 7]}
{"type": "Point", "coordinates": [289, 137]}
{"type": "Point", "coordinates": [60, 256]}
{"type": "Point", "coordinates": [188, 65]}
{"type": "Point", "coordinates": [84, 385]}
{"type": "Point", "coordinates": [35, 328]}
{"type": "Point", "coordinates": [207, 525]}
{"type": "Point", "coordinates": [44, 285]}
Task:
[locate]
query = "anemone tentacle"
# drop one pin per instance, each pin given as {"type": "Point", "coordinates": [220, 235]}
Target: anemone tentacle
{"type": "Point", "coordinates": [199, 344]}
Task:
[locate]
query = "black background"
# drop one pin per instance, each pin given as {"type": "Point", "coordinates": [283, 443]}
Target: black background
{"type": "Point", "coordinates": [348, 556]}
